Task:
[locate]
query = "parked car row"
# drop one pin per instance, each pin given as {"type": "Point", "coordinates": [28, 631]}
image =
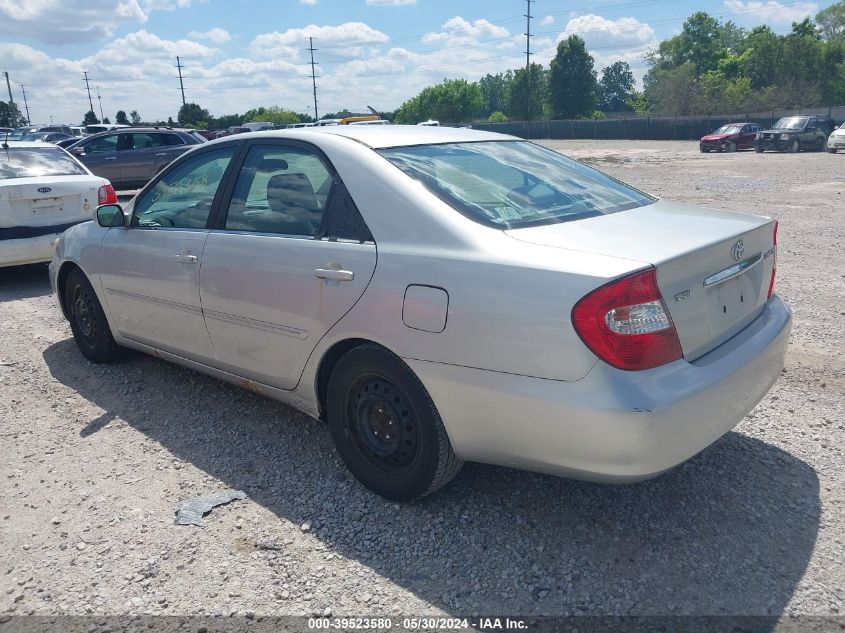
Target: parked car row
{"type": "Point", "coordinates": [790, 134]}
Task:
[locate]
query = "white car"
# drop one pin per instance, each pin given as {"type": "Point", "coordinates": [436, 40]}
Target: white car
{"type": "Point", "coordinates": [439, 295]}
{"type": "Point", "coordinates": [43, 191]}
{"type": "Point", "coordinates": [836, 140]}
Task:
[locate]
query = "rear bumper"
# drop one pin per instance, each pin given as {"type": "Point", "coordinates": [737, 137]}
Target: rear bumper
{"type": "Point", "coordinates": [30, 250]}
{"type": "Point", "coordinates": [612, 425]}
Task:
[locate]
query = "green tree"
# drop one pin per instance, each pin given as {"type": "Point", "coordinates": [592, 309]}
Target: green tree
{"type": "Point", "coordinates": [494, 91]}
{"type": "Point", "coordinates": [10, 116]}
{"type": "Point", "coordinates": [528, 93]}
{"type": "Point", "coordinates": [273, 114]}
{"type": "Point", "coordinates": [90, 118]}
{"type": "Point", "coordinates": [228, 120]}
{"type": "Point", "coordinates": [106, 120]}
{"type": "Point", "coordinates": [452, 101]}
{"type": "Point", "coordinates": [616, 87]}
{"type": "Point", "coordinates": [572, 80]}
{"type": "Point", "coordinates": [191, 114]}
{"type": "Point", "coordinates": [497, 117]}
{"type": "Point", "coordinates": [135, 117]}
{"type": "Point", "coordinates": [831, 21]}
{"type": "Point", "coordinates": [120, 118]}
{"type": "Point", "coordinates": [674, 91]}
{"type": "Point", "coordinates": [701, 42]}
{"type": "Point", "coordinates": [170, 122]}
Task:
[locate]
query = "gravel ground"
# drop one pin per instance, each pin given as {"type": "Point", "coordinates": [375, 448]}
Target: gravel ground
{"type": "Point", "coordinates": [96, 459]}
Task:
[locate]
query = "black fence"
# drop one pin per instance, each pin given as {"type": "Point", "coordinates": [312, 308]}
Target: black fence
{"type": "Point", "coordinates": [635, 127]}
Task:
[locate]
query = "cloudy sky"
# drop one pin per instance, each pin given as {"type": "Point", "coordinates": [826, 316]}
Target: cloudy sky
{"type": "Point", "coordinates": [240, 54]}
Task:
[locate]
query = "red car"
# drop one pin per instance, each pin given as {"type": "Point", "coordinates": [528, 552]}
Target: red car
{"type": "Point", "coordinates": [730, 138]}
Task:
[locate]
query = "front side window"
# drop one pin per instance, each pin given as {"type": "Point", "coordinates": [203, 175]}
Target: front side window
{"type": "Point", "coordinates": [102, 144]}
{"type": "Point", "coordinates": [280, 190]}
{"type": "Point", "coordinates": [183, 197]}
{"type": "Point", "coordinates": [514, 184]}
{"type": "Point", "coordinates": [31, 162]}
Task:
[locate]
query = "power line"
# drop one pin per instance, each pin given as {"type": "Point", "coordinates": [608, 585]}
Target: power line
{"type": "Point", "coordinates": [88, 86]}
{"type": "Point", "coordinates": [181, 85]}
{"type": "Point", "coordinates": [313, 76]}
{"type": "Point", "coordinates": [26, 105]}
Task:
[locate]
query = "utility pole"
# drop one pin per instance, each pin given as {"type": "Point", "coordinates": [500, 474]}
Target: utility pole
{"type": "Point", "coordinates": [181, 85]}
{"type": "Point", "coordinates": [88, 86]}
{"type": "Point", "coordinates": [528, 36]}
{"type": "Point", "coordinates": [313, 76]}
{"type": "Point", "coordinates": [9, 86]}
{"type": "Point", "coordinates": [100, 100]}
{"type": "Point", "coordinates": [26, 105]}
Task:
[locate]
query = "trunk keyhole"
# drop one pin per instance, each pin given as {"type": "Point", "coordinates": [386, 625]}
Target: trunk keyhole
{"type": "Point", "coordinates": [741, 299]}
{"type": "Point", "coordinates": [724, 309]}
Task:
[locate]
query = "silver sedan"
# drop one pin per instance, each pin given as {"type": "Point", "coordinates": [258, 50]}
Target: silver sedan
{"type": "Point", "coordinates": [439, 295]}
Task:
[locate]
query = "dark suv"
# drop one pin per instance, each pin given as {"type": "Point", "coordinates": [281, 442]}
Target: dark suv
{"type": "Point", "coordinates": [794, 133]}
{"type": "Point", "coordinates": [130, 157]}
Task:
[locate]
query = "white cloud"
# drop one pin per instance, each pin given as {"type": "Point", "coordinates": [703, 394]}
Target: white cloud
{"type": "Point", "coordinates": [169, 5]}
{"type": "Point", "coordinates": [599, 32]}
{"type": "Point", "coordinates": [549, 19]}
{"type": "Point", "coordinates": [457, 30]}
{"type": "Point", "coordinates": [770, 11]}
{"type": "Point", "coordinates": [215, 35]}
{"type": "Point", "coordinates": [389, 3]}
{"type": "Point", "coordinates": [334, 42]}
{"type": "Point", "coordinates": [67, 21]}
{"type": "Point", "coordinates": [308, 2]}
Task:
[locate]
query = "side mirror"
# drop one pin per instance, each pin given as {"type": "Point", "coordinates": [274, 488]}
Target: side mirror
{"type": "Point", "coordinates": [110, 215]}
{"type": "Point", "coordinates": [77, 151]}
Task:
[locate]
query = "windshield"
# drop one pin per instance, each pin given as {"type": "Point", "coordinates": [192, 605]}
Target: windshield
{"type": "Point", "coordinates": [514, 184]}
{"type": "Point", "coordinates": [728, 129]}
{"type": "Point", "coordinates": [29, 162]}
{"type": "Point", "coordinates": [18, 132]}
{"type": "Point", "coordinates": [791, 123]}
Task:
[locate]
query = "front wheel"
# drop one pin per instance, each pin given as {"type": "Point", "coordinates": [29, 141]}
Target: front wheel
{"type": "Point", "coordinates": [88, 321]}
{"type": "Point", "coordinates": [730, 147]}
{"type": "Point", "coordinates": [831, 150]}
{"type": "Point", "coordinates": [386, 428]}
{"type": "Point", "coordinates": [758, 149]}
{"type": "Point", "coordinates": [794, 146]}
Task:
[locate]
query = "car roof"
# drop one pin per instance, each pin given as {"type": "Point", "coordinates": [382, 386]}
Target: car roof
{"type": "Point", "coordinates": [29, 144]}
{"type": "Point", "coordinates": [384, 136]}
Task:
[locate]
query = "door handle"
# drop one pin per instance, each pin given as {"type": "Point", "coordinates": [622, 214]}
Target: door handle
{"type": "Point", "coordinates": [162, 154]}
{"type": "Point", "coordinates": [186, 259]}
{"type": "Point", "coordinates": [111, 158]}
{"type": "Point", "coordinates": [338, 275]}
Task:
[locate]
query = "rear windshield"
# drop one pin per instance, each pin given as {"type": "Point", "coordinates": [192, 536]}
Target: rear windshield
{"type": "Point", "coordinates": [29, 162]}
{"type": "Point", "coordinates": [514, 184]}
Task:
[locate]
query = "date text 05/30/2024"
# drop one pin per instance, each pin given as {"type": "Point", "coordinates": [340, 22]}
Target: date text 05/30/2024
{"type": "Point", "coordinates": [412, 624]}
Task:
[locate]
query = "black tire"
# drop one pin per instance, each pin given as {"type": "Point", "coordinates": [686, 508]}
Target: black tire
{"type": "Point", "coordinates": [373, 394]}
{"type": "Point", "coordinates": [88, 321]}
{"type": "Point", "coordinates": [794, 146]}
{"type": "Point", "coordinates": [831, 150]}
{"type": "Point", "coordinates": [730, 147]}
{"type": "Point", "coordinates": [758, 149]}
{"type": "Point", "coordinates": [703, 150]}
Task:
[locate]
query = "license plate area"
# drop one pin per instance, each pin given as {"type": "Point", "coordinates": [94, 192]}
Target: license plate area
{"type": "Point", "coordinates": [45, 206]}
{"type": "Point", "coordinates": [731, 299]}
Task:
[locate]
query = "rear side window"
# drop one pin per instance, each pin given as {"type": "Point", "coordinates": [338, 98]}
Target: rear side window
{"type": "Point", "coordinates": [171, 139]}
{"type": "Point", "coordinates": [514, 184]}
{"type": "Point", "coordinates": [143, 140]}
{"type": "Point", "coordinates": [28, 163]}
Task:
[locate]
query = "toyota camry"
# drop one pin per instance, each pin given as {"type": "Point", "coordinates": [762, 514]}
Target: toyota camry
{"type": "Point", "coordinates": [439, 295]}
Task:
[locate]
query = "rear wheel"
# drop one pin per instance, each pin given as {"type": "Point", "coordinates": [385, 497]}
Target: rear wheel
{"type": "Point", "coordinates": [88, 321]}
{"type": "Point", "coordinates": [386, 428]}
{"type": "Point", "coordinates": [794, 146]}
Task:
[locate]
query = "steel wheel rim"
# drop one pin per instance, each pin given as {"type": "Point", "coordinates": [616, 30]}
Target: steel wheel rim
{"type": "Point", "coordinates": [83, 313]}
{"type": "Point", "coordinates": [382, 425]}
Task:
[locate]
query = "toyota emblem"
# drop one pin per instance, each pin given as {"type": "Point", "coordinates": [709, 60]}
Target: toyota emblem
{"type": "Point", "coordinates": [738, 250]}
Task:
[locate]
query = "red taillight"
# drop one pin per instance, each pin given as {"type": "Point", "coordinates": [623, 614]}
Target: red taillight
{"type": "Point", "coordinates": [774, 260]}
{"type": "Point", "coordinates": [626, 323]}
{"type": "Point", "coordinates": [106, 195]}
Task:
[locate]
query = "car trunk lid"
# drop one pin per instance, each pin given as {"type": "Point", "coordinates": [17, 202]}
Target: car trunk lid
{"type": "Point", "coordinates": [54, 200]}
{"type": "Point", "coordinates": [713, 267]}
